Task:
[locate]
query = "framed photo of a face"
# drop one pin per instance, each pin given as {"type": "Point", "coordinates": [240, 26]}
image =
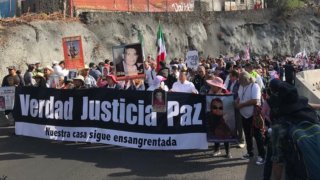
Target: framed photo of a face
{"type": "Point", "coordinates": [128, 61]}
{"type": "Point", "coordinates": [73, 53]}
{"type": "Point", "coordinates": [159, 101]}
{"type": "Point", "coordinates": [221, 118]}
{"type": "Point", "coordinates": [72, 74]}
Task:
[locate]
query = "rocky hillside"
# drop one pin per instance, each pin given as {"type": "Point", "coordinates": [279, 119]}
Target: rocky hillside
{"type": "Point", "coordinates": [267, 31]}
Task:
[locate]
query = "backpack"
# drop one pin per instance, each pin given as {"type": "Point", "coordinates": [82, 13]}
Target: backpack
{"type": "Point", "coordinates": [304, 137]}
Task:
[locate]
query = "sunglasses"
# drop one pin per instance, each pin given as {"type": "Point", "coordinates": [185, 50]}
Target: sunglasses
{"type": "Point", "coordinates": [217, 107]}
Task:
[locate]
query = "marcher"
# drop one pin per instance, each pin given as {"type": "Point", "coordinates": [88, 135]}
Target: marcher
{"type": "Point", "coordinates": [249, 95]}
{"type": "Point", "coordinates": [89, 81]}
{"type": "Point", "coordinates": [217, 88]}
{"type": "Point", "coordinates": [199, 79]}
{"type": "Point", "coordinates": [183, 85]}
{"type": "Point", "coordinates": [29, 81]}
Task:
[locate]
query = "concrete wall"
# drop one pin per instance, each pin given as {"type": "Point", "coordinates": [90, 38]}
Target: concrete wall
{"type": "Point", "coordinates": [306, 82]}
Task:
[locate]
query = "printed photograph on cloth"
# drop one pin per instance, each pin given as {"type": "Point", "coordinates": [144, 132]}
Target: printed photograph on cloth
{"type": "Point", "coordinates": [159, 100]}
{"type": "Point", "coordinates": [2, 103]}
{"type": "Point", "coordinates": [73, 53]}
{"type": "Point", "coordinates": [7, 97]}
{"type": "Point", "coordinates": [53, 81]}
{"type": "Point", "coordinates": [128, 61]}
{"type": "Point", "coordinates": [72, 74]}
{"type": "Point", "coordinates": [221, 122]}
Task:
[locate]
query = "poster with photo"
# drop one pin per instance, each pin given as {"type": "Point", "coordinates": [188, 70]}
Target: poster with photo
{"type": "Point", "coordinates": [159, 100]}
{"type": "Point", "coordinates": [72, 74]}
{"type": "Point", "coordinates": [192, 59]}
{"type": "Point", "coordinates": [73, 53]}
{"type": "Point", "coordinates": [53, 81]}
{"type": "Point", "coordinates": [128, 61]}
{"type": "Point", "coordinates": [7, 98]}
{"type": "Point", "coordinates": [221, 121]}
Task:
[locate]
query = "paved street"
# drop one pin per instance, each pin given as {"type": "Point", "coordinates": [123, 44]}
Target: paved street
{"type": "Point", "coordinates": [31, 158]}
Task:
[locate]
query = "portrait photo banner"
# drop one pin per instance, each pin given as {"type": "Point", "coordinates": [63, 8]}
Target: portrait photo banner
{"type": "Point", "coordinates": [221, 118]}
{"type": "Point", "coordinates": [128, 61]}
{"type": "Point", "coordinates": [115, 117]}
{"type": "Point", "coordinates": [73, 52]}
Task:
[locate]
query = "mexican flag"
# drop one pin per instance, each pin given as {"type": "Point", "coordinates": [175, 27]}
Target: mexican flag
{"type": "Point", "coordinates": [161, 47]}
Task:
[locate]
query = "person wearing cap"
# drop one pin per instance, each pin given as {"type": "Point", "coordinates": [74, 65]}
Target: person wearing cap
{"type": "Point", "coordinates": [158, 83]}
{"type": "Point", "coordinates": [217, 88]}
{"type": "Point", "coordinates": [48, 73]}
{"type": "Point", "coordinates": [183, 85]}
{"type": "Point", "coordinates": [112, 82]}
{"type": "Point", "coordinates": [29, 81]}
{"type": "Point", "coordinates": [78, 82]}
{"type": "Point", "coordinates": [40, 81]}
{"type": "Point", "coordinates": [89, 81]}
{"type": "Point", "coordinates": [12, 79]}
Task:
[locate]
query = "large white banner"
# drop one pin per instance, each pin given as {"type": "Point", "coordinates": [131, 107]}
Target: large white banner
{"type": "Point", "coordinates": [111, 116]}
{"type": "Point", "coordinates": [114, 137]}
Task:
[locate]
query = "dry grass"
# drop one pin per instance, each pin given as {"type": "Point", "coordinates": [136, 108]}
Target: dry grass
{"type": "Point", "coordinates": [29, 17]}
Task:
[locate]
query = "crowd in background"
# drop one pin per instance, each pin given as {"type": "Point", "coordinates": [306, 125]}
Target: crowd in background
{"type": "Point", "coordinates": [253, 82]}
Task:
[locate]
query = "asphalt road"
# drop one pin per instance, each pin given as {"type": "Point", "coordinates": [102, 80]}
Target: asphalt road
{"type": "Point", "coordinates": [25, 158]}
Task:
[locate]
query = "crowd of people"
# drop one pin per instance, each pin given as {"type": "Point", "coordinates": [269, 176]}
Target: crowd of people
{"type": "Point", "coordinates": [263, 82]}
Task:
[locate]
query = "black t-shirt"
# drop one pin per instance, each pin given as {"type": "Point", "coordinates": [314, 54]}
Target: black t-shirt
{"type": "Point", "coordinates": [289, 71]}
{"type": "Point", "coordinates": [11, 80]}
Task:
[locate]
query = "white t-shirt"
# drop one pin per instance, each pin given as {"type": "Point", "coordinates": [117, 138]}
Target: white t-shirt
{"type": "Point", "coordinates": [186, 87]}
{"type": "Point", "coordinates": [150, 76]}
{"type": "Point", "coordinates": [251, 91]}
{"type": "Point", "coordinates": [259, 81]}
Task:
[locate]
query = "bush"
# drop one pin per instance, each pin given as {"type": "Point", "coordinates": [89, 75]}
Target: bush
{"type": "Point", "coordinates": [294, 4]}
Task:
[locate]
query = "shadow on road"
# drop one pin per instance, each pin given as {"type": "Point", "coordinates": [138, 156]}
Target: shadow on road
{"type": "Point", "coordinates": [143, 163]}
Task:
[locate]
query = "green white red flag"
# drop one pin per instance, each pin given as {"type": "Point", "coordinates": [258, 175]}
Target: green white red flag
{"type": "Point", "coordinates": [161, 47]}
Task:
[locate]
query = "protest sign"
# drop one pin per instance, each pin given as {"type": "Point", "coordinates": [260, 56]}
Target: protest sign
{"type": "Point", "coordinates": [159, 100]}
{"type": "Point", "coordinates": [53, 81]}
{"type": "Point", "coordinates": [296, 61]}
{"type": "Point", "coordinates": [192, 59]}
{"type": "Point", "coordinates": [221, 119]}
{"type": "Point", "coordinates": [72, 74]}
{"type": "Point", "coordinates": [6, 98]}
{"type": "Point", "coordinates": [112, 117]}
{"type": "Point", "coordinates": [128, 61]}
{"type": "Point", "coordinates": [73, 53]}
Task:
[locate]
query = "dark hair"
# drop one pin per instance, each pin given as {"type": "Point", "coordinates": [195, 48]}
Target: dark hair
{"type": "Point", "coordinates": [61, 62]}
{"type": "Point", "coordinates": [215, 100]}
{"type": "Point", "coordinates": [234, 73]}
{"type": "Point", "coordinates": [132, 47]}
{"type": "Point", "coordinates": [91, 64]}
